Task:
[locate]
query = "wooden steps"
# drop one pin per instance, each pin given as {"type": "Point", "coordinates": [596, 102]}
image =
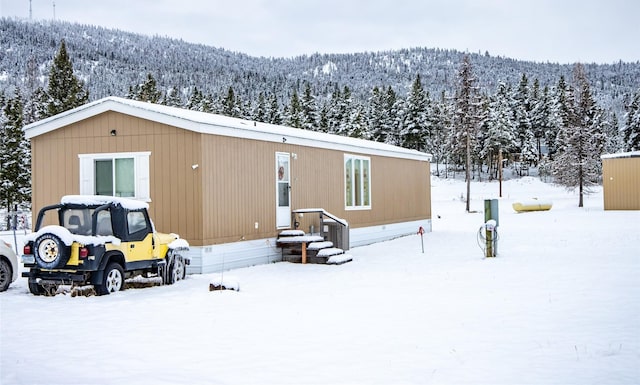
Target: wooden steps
{"type": "Point", "coordinates": [298, 247]}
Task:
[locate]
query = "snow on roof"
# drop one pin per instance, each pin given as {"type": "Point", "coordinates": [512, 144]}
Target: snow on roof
{"type": "Point", "coordinates": [93, 200]}
{"type": "Point", "coordinates": [207, 123]}
{"type": "Point", "coordinates": [632, 154]}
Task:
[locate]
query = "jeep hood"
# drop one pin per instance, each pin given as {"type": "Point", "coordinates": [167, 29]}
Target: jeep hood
{"type": "Point", "coordinates": [173, 241]}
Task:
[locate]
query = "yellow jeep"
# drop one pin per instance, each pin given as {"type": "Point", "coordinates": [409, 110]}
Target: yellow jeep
{"type": "Point", "coordinates": [99, 241]}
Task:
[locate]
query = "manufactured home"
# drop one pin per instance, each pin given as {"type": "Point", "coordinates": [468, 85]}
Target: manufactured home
{"type": "Point", "coordinates": [621, 181]}
{"type": "Point", "coordinates": [230, 186]}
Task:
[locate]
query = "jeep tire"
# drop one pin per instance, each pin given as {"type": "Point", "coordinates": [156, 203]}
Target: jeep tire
{"type": "Point", "coordinates": [50, 252]}
{"type": "Point", "coordinates": [177, 271]}
{"type": "Point", "coordinates": [35, 288]}
{"type": "Point", "coordinates": [112, 279]}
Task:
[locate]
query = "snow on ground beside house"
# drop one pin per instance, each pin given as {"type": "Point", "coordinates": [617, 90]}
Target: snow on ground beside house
{"type": "Point", "coordinates": [559, 305]}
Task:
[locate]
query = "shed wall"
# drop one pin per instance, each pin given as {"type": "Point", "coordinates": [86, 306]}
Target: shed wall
{"type": "Point", "coordinates": [621, 183]}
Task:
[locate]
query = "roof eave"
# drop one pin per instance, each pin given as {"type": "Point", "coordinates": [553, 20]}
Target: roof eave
{"type": "Point", "coordinates": [221, 125]}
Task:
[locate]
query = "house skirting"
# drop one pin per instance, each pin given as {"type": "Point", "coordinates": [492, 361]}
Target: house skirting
{"type": "Point", "coordinates": [227, 256]}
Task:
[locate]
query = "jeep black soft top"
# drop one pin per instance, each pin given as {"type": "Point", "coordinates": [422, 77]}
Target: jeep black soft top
{"type": "Point", "coordinates": [89, 215]}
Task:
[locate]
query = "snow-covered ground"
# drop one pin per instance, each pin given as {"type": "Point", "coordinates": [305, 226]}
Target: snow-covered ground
{"type": "Point", "coordinates": [559, 305]}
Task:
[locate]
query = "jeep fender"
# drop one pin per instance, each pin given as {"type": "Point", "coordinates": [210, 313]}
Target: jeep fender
{"type": "Point", "coordinates": [113, 256]}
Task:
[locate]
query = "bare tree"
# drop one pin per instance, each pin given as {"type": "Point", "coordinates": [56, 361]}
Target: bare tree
{"type": "Point", "coordinates": [467, 102]}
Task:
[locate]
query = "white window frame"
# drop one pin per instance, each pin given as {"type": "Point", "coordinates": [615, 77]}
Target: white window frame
{"type": "Point", "coordinates": [365, 194]}
{"type": "Point", "coordinates": [141, 171]}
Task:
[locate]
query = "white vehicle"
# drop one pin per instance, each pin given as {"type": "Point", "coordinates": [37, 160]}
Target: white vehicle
{"type": "Point", "coordinates": [8, 265]}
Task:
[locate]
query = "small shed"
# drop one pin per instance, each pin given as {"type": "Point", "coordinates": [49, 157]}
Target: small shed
{"type": "Point", "coordinates": [229, 186]}
{"type": "Point", "coordinates": [621, 181]}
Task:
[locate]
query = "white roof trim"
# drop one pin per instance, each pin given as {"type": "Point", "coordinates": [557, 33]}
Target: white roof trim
{"type": "Point", "coordinates": [631, 154]}
{"type": "Point", "coordinates": [206, 123]}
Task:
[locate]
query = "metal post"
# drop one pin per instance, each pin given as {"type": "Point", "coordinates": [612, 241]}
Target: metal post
{"type": "Point", "coordinates": [491, 223]}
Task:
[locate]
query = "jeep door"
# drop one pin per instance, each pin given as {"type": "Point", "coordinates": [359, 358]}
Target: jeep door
{"type": "Point", "coordinates": [139, 238]}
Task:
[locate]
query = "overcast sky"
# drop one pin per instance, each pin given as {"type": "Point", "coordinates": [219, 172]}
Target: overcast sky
{"type": "Point", "coordinates": [562, 31]}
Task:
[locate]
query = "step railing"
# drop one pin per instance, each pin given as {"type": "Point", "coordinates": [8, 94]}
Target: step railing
{"type": "Point", "coordinates": [331, 227]}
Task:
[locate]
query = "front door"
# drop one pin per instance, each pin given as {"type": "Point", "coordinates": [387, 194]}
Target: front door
{"type": "Point", "coordinates": [283, 189]}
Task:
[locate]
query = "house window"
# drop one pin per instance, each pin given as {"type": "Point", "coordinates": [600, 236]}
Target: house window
{"type": "Point", "coordinates": [357, 182]}
{"type": "Point", "coordinates": [115, 177]}
{"type": "Point", "coordinates": [115, 174]}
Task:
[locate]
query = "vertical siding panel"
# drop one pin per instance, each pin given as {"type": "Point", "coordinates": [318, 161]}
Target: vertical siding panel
{"type": "Point", "coordinates": [179, 173]}
{"type": "Point", "coordinates": [169, 160]}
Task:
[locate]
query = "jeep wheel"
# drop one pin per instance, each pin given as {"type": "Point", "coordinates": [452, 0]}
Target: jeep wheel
{"type": "Point", "coordinates": [5, 275]}
{"type": "Point", "coordinates": [50, 252]}
{"type": "Point", "coordinates": [112, 280]}
{"type": "Point", "coordinates": [35, 288]}
{"type": "Point", "coordinates": [178, 270]}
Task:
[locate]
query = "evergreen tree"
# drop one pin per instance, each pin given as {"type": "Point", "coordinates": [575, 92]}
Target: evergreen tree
{"type": "Point", "coordinates": [466, 118]}
{"type": "Point", "coordinates": [540, 115]}
{"type": "Point", "coordinates": [273, 110]}
{"type": "Point", "coordinates": [345, 104]}
{"type": "Point", "coordinates": [355, 125]}
{"type": "Point", "coordinates": [195, 101]}
{"type": "Point", "coordinates": [613, 137]}
{"type": "Point", "coordinates": [293, 113]}
{"type": "Point", "coordinates": [581, 141]}
{"type": "Point", "coordinates": [172, 98]}
{"type": "Point", "coordinates": [65, 90]}
{"type": "Point", "coordinates": [147, 91]}
{"type": "Point", "coordinates": [525, 138]}
{"type": "Point", "coordinates": [390, 123]}
{"type": "Point", "coordinates": [500, 138]}
{"type": "Point", "coordinates": [33, 105]}
{"type": "Point", "coordinates": [308, 109]}
{"type": "Point", "coordinates": [259, 113]}
{"type": "Point", "coordinates": [416, 124]}
{"type": "Point", "coordinates": [558, 117]}
{"type": "Point", "coordinates": [231, 105]}
{"type": "Point", "coordinates": [631, 129]}
{"type": "Point", "coordinates": [478, 144]}
{"type": "Point", "coordinates": [381, 116]}
{"type": "Point", "coordinates": [15, 160]}
{"type": "Point", "coordinates": [323, 119]}
{"type": "Point", "coordinates": [399, 113]}
{"type": "Point", "coordinates": [375, 114]}
{"type": "Point", "coordinates": [337, 111]}
{"type": "Point", "coordinates": [440, 126]}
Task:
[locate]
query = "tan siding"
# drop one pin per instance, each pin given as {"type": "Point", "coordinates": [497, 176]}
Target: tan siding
{"type": "Point", "coordinates": [239, 189]}
{"type": "Point", "coordinates": [400, 188]}
{"type": "Point", "coordinates": [621, 183]}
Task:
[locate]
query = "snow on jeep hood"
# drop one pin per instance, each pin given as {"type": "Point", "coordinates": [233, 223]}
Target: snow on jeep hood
{"type": "Point", "coordinates": [68, 238]}
{"type": "Point", "coordinates": [88, 200]}
{"type": "Point", "coordinates": [179, 244]}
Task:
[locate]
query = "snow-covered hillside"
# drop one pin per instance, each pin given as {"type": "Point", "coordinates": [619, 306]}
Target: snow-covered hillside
{"type": "Point", "coordinates": [560, 304]}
